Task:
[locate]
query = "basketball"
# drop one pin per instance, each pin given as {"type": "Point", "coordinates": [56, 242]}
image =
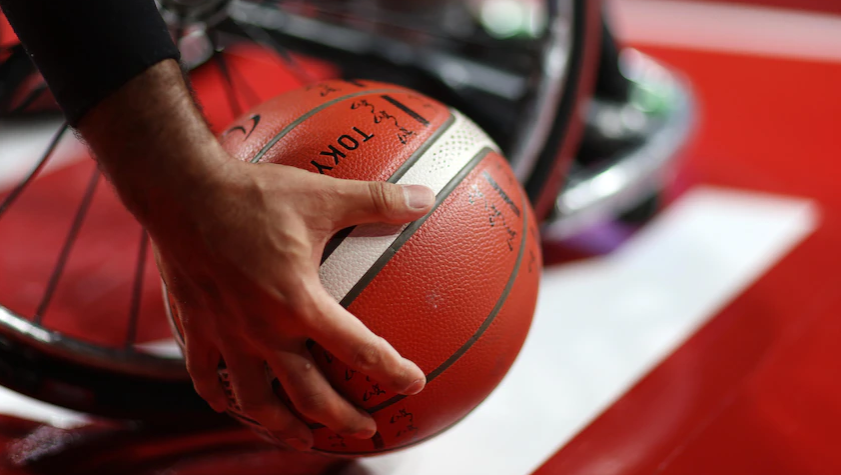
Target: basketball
{"type": "Point", "coordinates": [454, 291]}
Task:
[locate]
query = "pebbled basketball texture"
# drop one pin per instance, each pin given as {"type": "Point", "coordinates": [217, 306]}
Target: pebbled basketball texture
{"type": "Point", "coordinates": [454, 291]}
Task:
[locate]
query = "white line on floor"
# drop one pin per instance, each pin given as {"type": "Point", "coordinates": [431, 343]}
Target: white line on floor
{"type": "Point", "coordinates": [604, 323]}
{"type": "Point", "coordinates": [22, 143]}
{"type": "Point", "coordinates": [13, 404]}
{"type": "Point", "coordinates": [731, 28]}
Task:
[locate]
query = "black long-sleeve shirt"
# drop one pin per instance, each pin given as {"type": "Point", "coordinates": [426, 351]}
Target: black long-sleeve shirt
{"type": "Point", "coordinates": [86, 49]}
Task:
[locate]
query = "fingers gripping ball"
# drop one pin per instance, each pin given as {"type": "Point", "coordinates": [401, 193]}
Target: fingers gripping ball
{"type": "Point", "coordinates": [454, 291]}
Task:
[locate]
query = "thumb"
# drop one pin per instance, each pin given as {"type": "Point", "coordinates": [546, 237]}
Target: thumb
{"type": "Point", "coordinates": [380, 202]}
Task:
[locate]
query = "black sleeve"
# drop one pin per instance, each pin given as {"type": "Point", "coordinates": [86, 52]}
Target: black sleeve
{"type": "Point", "coordinates": [86, 49]}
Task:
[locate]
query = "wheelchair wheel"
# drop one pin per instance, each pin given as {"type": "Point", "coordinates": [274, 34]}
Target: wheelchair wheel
{"type": "Point", "coordinates": [81, 315]}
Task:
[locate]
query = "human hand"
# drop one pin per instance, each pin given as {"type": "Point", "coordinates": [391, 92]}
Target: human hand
{"type": "Point", "coordinates": [239, 246]}
{"type": "Point", "coordinates": [242, 266]}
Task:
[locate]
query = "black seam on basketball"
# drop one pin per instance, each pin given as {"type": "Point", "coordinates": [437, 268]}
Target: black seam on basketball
{"type": "Point", "coordinates": [410, 230]}
{"type": "Point", "coordinates": [271, 143]}
{"type": "Point", "coordinates": [482, 328]}
{"type": "Point", "coordinates": [340, 236]}
{"type": "Point", "coordinates": [407, 110]}
{"type": "Point", "coordinates": [405, 236]}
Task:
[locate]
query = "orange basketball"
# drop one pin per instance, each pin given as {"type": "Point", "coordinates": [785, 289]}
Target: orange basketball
{"type": "Point", "coordinates": [454, 291]}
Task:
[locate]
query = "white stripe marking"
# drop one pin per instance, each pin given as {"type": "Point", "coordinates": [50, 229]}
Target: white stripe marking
{"type": "Point", "coordinates": [23, 143]}
{"type": "Point", "coordinates": [604, 323]}
{"type": "Point", "coordinates": [165, 348]}
{"type": "Point", "coordinates": [435, 168]}
{"type": "Point", "coordinates": [763, 31]}
{"type": "Point", "coordinates": [17, 405]}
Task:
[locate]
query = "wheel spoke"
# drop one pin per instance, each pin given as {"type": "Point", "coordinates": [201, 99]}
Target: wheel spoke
{"type": "Point", "coordinates": [425, 22]}
{"type": "Point", "coordinates": [30, 99]}
{"type": "Point", "coordinates": [447, 48]}
{"type": "Point", "coordinates": [137, 290]}
{"type": "Point", "coordinates": [230, 92]}
{"type": "Point", "coordinates": [15, 193]}
{"type": "Point", "coordinates": [58, 270]}
{"type": "Point", "coordinates": [259, 36]}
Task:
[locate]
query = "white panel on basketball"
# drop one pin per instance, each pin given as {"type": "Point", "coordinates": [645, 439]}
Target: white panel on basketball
{"type": "Point", "coordinates": [441, 162]}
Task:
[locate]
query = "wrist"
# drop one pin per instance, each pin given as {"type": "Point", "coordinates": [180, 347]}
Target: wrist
{"type": "Point", "coordinates": [152, 143]}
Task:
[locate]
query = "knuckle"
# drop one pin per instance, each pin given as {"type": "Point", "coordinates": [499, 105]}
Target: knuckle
{"type": "Point", "coordinates": [369, 355]}
{"type": "Point", "coordinates": [383, 198]}
{"type": "Point", "coordinates": [313, 404]}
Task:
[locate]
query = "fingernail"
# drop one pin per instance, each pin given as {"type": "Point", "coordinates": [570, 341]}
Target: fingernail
{"type": "Point", "coordinates": [416, 387]}
{"type": "Point", "coordinates": [418, 196]}
{"type": "Point", "coordinates": [365, 434]}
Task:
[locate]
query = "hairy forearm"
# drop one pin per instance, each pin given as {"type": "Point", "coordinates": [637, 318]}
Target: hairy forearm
{"type": "Point", "coordinates": [151, 141]}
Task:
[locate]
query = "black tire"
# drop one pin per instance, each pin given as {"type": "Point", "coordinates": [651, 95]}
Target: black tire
{"type": "Point", "coordinates": [547, 177]}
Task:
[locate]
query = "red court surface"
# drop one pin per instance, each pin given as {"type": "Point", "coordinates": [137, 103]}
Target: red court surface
{"type": "Point", "coordinates": [756, 389]}
{"type": "Point", "coordinates": [706, 344]}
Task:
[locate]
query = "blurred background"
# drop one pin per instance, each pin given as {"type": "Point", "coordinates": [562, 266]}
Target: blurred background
{"type": "Point", "coordinates": [682, 156]}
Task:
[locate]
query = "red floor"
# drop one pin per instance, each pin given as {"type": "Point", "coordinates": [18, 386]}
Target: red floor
{"type": "Point", "coordinates": [755, 391]}
{"type": "Point", "coordinates": [820, 6]}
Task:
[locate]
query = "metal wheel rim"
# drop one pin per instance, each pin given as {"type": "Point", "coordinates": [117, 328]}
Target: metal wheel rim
{"type": "Point", "coordinates": [15, 329]}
